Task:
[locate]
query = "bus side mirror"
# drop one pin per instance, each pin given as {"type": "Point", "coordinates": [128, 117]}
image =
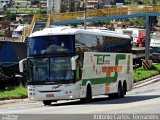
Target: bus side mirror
{"type": "Point", "coordinates": [21, 65]}
{"type": "Point", "coordinates": [73, 62]}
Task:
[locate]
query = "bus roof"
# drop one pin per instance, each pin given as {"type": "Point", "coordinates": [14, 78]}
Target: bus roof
{"type": "Point", "coordinates": [73, 31]}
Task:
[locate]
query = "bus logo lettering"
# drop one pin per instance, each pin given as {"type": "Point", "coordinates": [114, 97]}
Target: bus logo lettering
{"type": "Point", "coordinates": [102, 59]}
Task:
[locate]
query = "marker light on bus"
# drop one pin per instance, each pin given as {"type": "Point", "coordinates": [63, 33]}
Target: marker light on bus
{"type": "Point", "coordinates": [71, 97]}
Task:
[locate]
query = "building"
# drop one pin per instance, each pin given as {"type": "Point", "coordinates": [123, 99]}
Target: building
{"type": "Point", "coordinates": [91, 4]}
{"type": "Point", "coordinates": [23, 17]}
{"type": "Point", "coordinates": [121, 24]}
{"type": "Point", "coordinates": [4, 24]}
{"type": "Point", "coordinates": [43, 3]}
{"type": "Point", "coordinates": [2, 17]}
{"type": "Point", "coordinates": [57, 6]}
{"type": "Point", "coordinates": [106, 3]}
{"type": "Point", "coordinates": [5, 2]}
{"type": "Point", "coordinates": [1, 8]}
{"type": "Point", "coordinates": [22, 4]}
{"type": "Point", "coordinates": [51, 5]}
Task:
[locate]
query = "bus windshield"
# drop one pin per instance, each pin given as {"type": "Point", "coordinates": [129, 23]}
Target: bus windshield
{"type": "Point", "coordinates": [50, 69]}
{"type": "Point", "coordinates": [51, 45]}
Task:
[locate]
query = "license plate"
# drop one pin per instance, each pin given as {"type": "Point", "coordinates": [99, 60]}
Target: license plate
{"type": "Point", "coordinates": [49, 95]}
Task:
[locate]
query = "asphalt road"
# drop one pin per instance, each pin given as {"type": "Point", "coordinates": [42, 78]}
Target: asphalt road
{"type": "Point", "coordinates": [143, 100]}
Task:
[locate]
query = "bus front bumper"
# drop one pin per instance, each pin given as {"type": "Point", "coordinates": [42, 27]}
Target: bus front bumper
{"type": "Point", "coordinates": [67, 93]}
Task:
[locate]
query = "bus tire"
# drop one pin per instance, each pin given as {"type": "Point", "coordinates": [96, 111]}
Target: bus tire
{"type": "Point", "coordinates": [88, 94]}
{"type": "Point", "coordinates": [47, 102]}
{"type": "Point", "coordinates": [124, 88]}
{"type": "Point", "coordinates": [112, 96]}
{"type": "Point", "coordinates": [88, 97]}
{"type": "Point", "coordinates": [120, 93]}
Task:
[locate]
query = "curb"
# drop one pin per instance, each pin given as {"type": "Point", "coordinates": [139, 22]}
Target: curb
{"type": "Point", "coordinates": [135, 85]}
{"type": "Point", "coordinates": [146, 82]}
{"type": "Point", "coordinates": [2, 102]}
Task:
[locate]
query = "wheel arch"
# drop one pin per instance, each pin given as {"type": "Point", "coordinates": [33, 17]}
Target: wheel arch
{"type": "Point", "coordinates": [88, 84]}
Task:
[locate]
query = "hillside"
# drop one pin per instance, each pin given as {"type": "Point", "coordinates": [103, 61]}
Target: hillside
{"type": "Point", "coordinates": [142, 1]}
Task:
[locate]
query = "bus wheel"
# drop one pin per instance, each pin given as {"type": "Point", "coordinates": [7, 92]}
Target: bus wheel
{"type": "Point", "coordinates": [124, 89]}
{"type": "Point", "coordinates": [112, 96]}
{"type": "Point", "coordinates": [47, 102]}
{"type": "Point", "coordinates": [120, 93]}
{"type": "Point", "coordinates": [88, 97]}
{"type": "Point", "coordinates": [89, 94]}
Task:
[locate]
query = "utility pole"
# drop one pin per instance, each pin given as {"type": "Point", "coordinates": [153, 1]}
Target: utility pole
{"type": "Point", "coordinates": [68, 6]}
{"type": "Point", "coordinates": [147, 41]}
{"type": "Point", "coordinates": [85, 14]}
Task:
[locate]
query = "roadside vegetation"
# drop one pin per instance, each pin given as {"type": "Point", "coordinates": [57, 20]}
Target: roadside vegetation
{"type": "Point", "coordinates": [14, 93]}
{"type": "Point", "coordinates": [141, 74]}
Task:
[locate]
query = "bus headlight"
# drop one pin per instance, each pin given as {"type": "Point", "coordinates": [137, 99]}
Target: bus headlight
{"type": "Point", "coordinates": [71, 97]}
{"type": "Point", "coordinates": [31, 98]}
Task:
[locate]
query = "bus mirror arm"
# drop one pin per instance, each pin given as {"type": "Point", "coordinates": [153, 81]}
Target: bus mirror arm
{"type": "Point", "coordinates": [21, 65]}
{"type": "Point", "coordinates": [73, 62]}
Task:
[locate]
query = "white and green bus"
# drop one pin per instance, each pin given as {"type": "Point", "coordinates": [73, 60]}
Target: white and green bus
{"type": "Point", "coordinates": [67, 63]}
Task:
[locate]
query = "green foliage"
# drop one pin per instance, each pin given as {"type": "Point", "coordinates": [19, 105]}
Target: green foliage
{"type": "Point", "coordinates": [130, 2]}
{"type": "Point", "coordinates": [1, 33]}
{"type": "Point", "coordinates": [147, 1]}
{"type": "Point", "coordinates": [134, 2]}
{"type": "Point", "coordinates": [137, 22]}
{"type": "Point", "coordinates": [34, 2]}
{"type": "Point", "coordinates": [18, 92]}
{"type": "Point", "coordinates": [141, 73]}
{"type": "Point", "coordinates": [42, 11]}
{"type": "Point", "coordinates": [100, 23]}
{"type": "Point", "coordinates": [10, 16]}
{"type": "Point", "coordinates": [64, 8]}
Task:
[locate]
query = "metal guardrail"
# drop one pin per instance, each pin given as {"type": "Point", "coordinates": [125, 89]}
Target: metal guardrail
{"type": "Point", "coordinates": [28, 30]}
{"type": "Point", "coordinates": [106, 12]}
{"type": "Point", "coordinates": [90, 14]}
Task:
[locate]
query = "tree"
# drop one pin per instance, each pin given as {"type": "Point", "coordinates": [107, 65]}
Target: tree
{"type": "Point", "coordinates": [10, 16]}
{"type": "Point", "coordinates": [42, 11]}
{"type": "Point", "coordinates": [34, 2]}
{"type": "Point", "coordinates": [100, 23]}
{"type": "Point", "coordinates": [137, 22]}
{"type": "Point", "coordinates": [64, 7]}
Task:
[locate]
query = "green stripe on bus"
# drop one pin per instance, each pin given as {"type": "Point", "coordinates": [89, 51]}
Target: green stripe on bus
{"type": "Point", "coordinates": [95, 81]}
{"type": "Point", "coordinates": [120, 57]}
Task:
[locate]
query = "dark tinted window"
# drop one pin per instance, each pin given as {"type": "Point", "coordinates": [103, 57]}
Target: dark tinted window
{"type": "Point", "coordinates": [51, 45]}
{"type": "Point", "coordinates": [102, 44]}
